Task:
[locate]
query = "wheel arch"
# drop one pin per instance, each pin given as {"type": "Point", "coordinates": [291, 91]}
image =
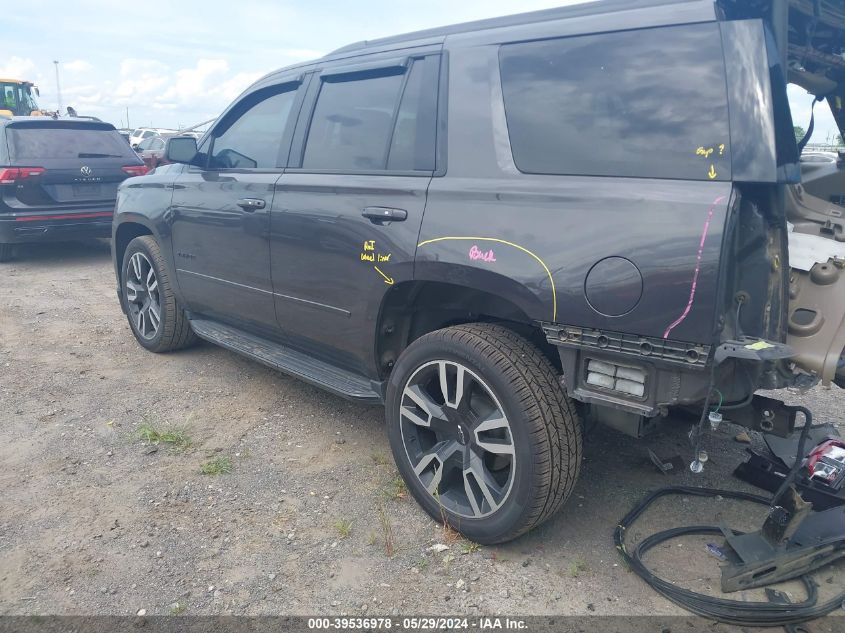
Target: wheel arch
{"type": "Point", "coordinates": [411, 309]}
{"type": "Point", "coordinates": [124, 233]}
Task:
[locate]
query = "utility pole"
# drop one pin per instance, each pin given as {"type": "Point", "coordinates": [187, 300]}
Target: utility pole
{"type": "Point", "coordinates": [58, 87]}
{"type": "Point", "coordinates": [127, 118]}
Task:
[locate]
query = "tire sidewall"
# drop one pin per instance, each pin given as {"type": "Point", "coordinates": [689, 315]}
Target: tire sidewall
{"type": "Point", "coordinates": [494, 527]}
{"type": "Point", "coordinates": [139, 245]}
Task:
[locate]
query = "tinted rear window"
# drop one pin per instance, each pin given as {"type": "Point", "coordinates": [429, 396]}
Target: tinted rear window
{"type": "Point", "coordinates": [637, 103]}
{"type": "Point", "coordinates": [379, 120]}
{"type": "Point", "coordinates": [27, 143]}
{"type": "Point", "coordinates": [352, 122]}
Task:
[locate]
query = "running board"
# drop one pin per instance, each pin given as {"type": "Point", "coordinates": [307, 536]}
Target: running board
{"type": "Point", "coordinates": [320, 374]}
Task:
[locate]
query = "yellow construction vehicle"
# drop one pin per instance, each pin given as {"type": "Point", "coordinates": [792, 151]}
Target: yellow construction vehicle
{"type": "Point", "coordinates": [17, 98]}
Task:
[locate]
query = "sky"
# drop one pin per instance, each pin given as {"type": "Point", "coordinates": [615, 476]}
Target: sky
{"type": "Point", "coordinates": [175, 64]}
{"type": "Point", "coordinates": [178, 63]}
{"type": "Point", "coordinates": [825, 130]}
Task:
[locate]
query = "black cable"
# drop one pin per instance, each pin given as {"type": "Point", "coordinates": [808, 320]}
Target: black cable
{"type": "Point", "coordinates": [737, 612]}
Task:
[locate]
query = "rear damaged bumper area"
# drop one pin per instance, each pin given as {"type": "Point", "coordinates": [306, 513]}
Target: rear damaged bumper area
{"type": "Point", "coordinates": [56, 224]}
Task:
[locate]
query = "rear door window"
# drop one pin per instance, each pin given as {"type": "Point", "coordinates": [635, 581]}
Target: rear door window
{"type": "Point", "coordinates": [648, 103]}
{"type": "Point", "coordinates": [351, 126]}
{"type": "Point", "coordinates": [374, 121]}
{"type": "Point", "coordinates": [31, 142]}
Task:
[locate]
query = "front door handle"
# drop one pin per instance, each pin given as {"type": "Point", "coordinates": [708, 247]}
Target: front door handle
{"type": "Point", "coordinates": [380, 215]}
{"type": "Point", "coordinates": [251, 204]}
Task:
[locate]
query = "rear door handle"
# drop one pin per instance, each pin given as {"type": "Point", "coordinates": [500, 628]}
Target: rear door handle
{"type": "Point", "coordinates": [251, 204]}
{"type": "Point", "coordinates": [379, 215]}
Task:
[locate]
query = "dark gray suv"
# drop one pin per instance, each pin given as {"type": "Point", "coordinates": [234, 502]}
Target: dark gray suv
{"type": "Point", "coordinates": [59, 178]}
{"type": "Point", "coordinates": [498, 229]}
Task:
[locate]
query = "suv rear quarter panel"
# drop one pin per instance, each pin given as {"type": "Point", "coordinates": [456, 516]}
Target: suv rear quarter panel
{"type": "Point", "coordinates": [534, 239]}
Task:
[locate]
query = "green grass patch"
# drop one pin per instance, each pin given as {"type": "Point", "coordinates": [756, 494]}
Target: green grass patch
{"type": "Point", "coordinates": [217, 466]}
{"type": "Point", "coordinates": [576, 567]}
{"type": "Point", "coordinates": [388, 538]}
{"type": "Point", "coordinates": [343, 527]}
{"type": "Point", "coordinates": [175, 437]}
{"type": "Point", "coordinates": [379, 459]}
{"type": "Point", "coordinates": [396, 489]}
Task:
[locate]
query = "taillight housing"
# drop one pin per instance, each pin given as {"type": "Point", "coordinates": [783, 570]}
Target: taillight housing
{"type": "Point", "coordinates": [11, 175]}
{"type": "Point", "coordinates": [135, 170]}
{"type": "Point", "coordinates": [826, 462]}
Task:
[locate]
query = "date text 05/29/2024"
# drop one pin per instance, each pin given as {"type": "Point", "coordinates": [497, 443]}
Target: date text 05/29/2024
{"type": "Point", "coordinates": [417, 624]}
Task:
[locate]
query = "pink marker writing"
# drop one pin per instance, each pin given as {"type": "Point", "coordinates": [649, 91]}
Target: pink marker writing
{"type": "Point", "coordinates": [485, 256]}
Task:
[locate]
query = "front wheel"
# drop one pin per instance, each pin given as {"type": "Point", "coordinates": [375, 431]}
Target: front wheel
{"type": "Point", "coordinates": [482, 432]}
{"type": "Point", "coordinates": [155, 316]}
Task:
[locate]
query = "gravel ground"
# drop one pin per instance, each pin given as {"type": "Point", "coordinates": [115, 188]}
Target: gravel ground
{"type": "Point", "coordinates": [312, 518]}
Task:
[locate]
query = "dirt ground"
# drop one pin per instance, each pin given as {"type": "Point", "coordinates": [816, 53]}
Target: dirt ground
{"type": "Point", "coordinates": [312, 518]}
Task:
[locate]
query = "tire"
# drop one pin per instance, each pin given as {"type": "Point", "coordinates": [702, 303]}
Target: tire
{"type": "Point", "coordinates": [6, 252]}
{"type": "Point", "coordinates": [170, 329]}
{"type": "Point", "coordinates": [514, 427]}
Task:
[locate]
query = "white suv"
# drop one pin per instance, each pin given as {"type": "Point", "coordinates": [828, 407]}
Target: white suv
{"type": "Point", "coordinates": [141, 133]}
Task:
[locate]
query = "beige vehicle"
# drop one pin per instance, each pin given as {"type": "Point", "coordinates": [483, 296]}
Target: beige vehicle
{"type": "Point", "coordinates": [17, 98]}
{"type": "Point", "coordinates": [817, 283]}
{"type": "Point", "coordinates": [816, 208]}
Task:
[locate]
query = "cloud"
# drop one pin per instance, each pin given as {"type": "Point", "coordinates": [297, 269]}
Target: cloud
{"type": "Point", "coordinates": [17, 68]}
{"type": "Point", "coordinates": [200, 82]}
{"type": "Point", "coordinates": [132, 66]}
{"type": "Point", "coordinates": [198, 91]}
{"type": "Point", "coordinates": [231, 88]}
{"type": "Point", "coordinates": [76, 66]}
{"type": "Point", "coordinates": [301, 54]}
{"type": "Point", "coordinates": [140, 81]}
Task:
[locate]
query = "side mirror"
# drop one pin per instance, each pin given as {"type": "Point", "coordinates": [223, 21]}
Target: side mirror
{"type": "Point", "coordinates": [181, 149]}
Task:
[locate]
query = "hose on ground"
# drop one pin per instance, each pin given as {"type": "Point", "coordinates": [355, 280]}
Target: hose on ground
{"type": "Point", "coordinates": [737, 612]}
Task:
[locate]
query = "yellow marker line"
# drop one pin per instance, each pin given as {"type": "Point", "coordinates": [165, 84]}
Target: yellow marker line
{"type": "Point", "coordinates": [387, 280]}
{"type": "Point", "coordinates": [517, 246]}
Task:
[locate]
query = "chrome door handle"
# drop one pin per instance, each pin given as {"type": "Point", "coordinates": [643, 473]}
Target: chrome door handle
{"type": "Point", "coordinates": [379, 215]}
{"type": "Point", "coordinates": [251, 204]}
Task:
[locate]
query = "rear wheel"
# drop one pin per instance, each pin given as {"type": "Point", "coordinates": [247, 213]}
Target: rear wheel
{"type": "Point", "coordinates": [155, 316]}
{"type": "Point", "coordinates": [482, 431]}
{"type": "Point", "coordinates": [6, 252]}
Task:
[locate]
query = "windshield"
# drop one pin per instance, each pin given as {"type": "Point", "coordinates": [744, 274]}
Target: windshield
{"type": "Point", "coordinates": [153, 142]}
{"type": "Point", "coordinates": [17, 98]}
{"type": "Point", "coordinates": [26, 99]}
